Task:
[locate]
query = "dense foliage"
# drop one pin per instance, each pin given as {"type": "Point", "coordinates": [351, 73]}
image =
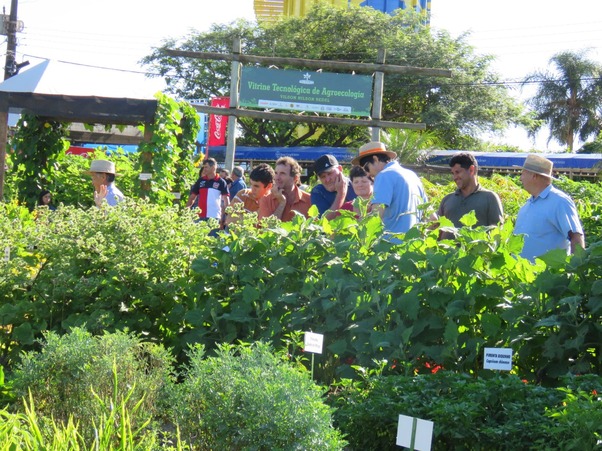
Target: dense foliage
{"type": "Point", "coordinates": [117, 391]}
{"type": "Point", "coordinates": [155, 271]}
{"type": "Point", "coordinates": [406, 310]}
{"type": "Point", "coordinates": [496, 413]}
{"type": "Point", "coordinates": [458, 109]}
{"type": "Point", "coordinates": [39, 144]}
{"type": "Point", "coordinates": [127, 267]}
{"type": "Point", "coordinates": [79, 376]}
{"type": "Point", "coordinates": [167, 156]}
{"type": "Point", "coordinates": [39, 161]}
{"type": "Point", "coordinates": [245, 397]}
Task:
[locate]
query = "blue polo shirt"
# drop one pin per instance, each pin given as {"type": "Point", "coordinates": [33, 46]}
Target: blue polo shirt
{"type": "Point", "coordinates": [401, 192]}
{"type": "Point", "coordinates": [236, 187]}
{"type": "Point", "coordinates": [546, 221]}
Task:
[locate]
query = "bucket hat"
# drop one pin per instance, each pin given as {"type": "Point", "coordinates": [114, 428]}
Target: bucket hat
{"type": "Point", "coordinates": [538, 165]}
{"type": "Point", "coordinates": [107, 167]}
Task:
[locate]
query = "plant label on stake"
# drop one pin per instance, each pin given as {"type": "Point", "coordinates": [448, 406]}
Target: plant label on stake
{"type": "Point", "coordinates": [313, 343]}
{"type": "Point", "coordinates": [497, 359]}
{"type": "Point", "coordinates": [414, 433]}
{"type": "Point", "coordinates": [145, 176]}
{"type": "Point", "coordinates": [6, 253]}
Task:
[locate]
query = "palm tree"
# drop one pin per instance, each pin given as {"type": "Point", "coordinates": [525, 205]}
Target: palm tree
{"type": "Point", "coordinates": [568, 98]}
{"type": "Point", "coordinates": [411, 146]}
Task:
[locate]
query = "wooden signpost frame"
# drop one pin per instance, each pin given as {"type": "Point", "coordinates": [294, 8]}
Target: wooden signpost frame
{"type": "Point", "coordinates": [233, 112]}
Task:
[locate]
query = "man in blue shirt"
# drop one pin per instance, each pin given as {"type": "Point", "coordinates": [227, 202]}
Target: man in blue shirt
{"type": "Point", "coordinates": [397, 191]}
{"type": "Point", "coordinates": [549, 219]}
{"type": "Point", "coordinates": [238, 181]}
{"type": "Point", "coordinates": [334, 190]}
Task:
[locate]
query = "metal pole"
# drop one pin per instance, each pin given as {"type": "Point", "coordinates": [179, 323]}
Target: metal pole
{"type": "Point", "coordinates": [11, 47]}
{"type": "Point", "coordinates": [377, 95]}
{"type": "Point", "coordinates": [232, 121]}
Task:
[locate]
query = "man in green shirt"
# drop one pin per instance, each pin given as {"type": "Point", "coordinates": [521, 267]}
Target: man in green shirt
{"type": "Point", "coordinates": [470, 196]}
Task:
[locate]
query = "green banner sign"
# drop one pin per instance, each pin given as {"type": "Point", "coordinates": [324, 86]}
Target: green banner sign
{"type": "Point", "coordinates": [317, 92]}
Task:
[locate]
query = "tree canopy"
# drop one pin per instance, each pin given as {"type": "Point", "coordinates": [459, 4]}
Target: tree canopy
{"type": "Point", "coordinates": [568, 99]}
{"type": "Point", "coordinates": [457, 109]}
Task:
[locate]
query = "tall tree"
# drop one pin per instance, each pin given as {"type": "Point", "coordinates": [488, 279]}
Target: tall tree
{"type": "Point", "coordinates": [457, 109]}
{"type": "Point", "coordinates": [568, 99]}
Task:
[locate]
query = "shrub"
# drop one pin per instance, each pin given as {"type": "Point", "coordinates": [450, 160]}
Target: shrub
{"type": "Point", "coordinates": [245, 397]}
{"type": "Point", "coordinates": [120, 268]}
{"type": "Point", "coordinates": [77, 375]}
{"type": "Point", "coordinates": [498, 413]}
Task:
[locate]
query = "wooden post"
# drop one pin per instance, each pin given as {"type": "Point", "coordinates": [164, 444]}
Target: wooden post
{"type": "Point", "coordinates": [3, 142]}
{"type": "Point", "coordinates": [232, 121]}
{"type": "Point", "coordinates": [146, 163]}
{"type": "Point", "coordinates": [377, 95]}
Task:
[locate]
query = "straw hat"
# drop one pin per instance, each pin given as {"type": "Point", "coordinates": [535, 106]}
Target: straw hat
{"type": "Point", "coordinates": [538, 165]}
{"type": "Point", "coordinates": [107, 167]}
{"type": "Point", "coordinates": [372, 148]}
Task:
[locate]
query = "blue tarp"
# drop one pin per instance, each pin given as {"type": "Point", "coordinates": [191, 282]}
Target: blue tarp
{"type": "Point", "coordinates": [509, 159]}
{"type": "Point", "coordinates": [343, 154]}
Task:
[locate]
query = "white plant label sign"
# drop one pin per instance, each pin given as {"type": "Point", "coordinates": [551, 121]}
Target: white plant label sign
{"type": "Point", "coordinates": [313, 342]}
{"type": "Point", "coordinates": [497, 359]}
{"type": "Point", "coordinates": [421, 430]}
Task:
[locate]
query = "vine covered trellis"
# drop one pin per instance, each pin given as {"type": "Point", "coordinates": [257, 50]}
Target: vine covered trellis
{"type": "Point", "coordinates": [166, 154]}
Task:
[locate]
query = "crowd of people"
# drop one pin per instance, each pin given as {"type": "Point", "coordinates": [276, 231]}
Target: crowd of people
{"type": "Point", "coordinates": [377, 184]}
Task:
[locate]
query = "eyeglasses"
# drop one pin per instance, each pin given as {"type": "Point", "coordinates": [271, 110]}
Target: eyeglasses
{"type": "Point", "coordinates": [366, 166]}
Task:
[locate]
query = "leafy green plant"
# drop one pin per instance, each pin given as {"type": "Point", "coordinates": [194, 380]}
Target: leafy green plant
{"type": "Point", "coordinates": [168, 154]}
{"type": "Point", "coordinates": [577, 421]}
{"type": "Point", "coordinates": [127, 267]}
{"type": "Point", "coordinates": [246, 397]}
{"type": "Point", "coordinates": [39, 145]}
{"type": "Point", "coordinates": [30, 431]}
{"type": "Point", "coordinates": [497, 413]}
{"type": "Point", "coordinates": [85, 377]}
{"type": "Point", "coordinates": [411, 146]}
{"type": "Point", "coordinates": [558, 319]}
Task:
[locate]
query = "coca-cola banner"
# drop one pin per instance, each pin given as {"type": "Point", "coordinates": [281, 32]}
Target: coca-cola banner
{"type": "Point", "coordinates": [217, 123]}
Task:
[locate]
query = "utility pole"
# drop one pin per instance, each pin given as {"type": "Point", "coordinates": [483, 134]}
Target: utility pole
{"type": "Point", "coordinates": [11, 47]}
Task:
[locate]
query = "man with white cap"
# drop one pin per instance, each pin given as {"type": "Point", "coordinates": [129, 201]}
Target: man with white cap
{"type": "Point", "coordinates": [334, 190]}
{"type": "Point", "coordinates": [549, 219]}
{"type": "Point", "coordinates": [103, 179]}
{"type": "Point", "coordinates": [397, 191]}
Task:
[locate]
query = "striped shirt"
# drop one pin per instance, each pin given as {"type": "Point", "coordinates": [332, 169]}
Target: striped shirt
{"type": "Point", "coordinates": [209, 193]}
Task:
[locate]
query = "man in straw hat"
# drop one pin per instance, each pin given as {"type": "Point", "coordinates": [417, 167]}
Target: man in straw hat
{"type": "Point", "coordinates": [397, 191]}
{"type": "Point", "coordinates": [549, 219]}
{"type": "Point", "coordinates": [103, 179]}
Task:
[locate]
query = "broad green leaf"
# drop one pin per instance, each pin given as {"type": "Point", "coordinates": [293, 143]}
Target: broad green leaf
{"type": "Point", "coordinates": [451, 333]}
{"type": "Point", "coordinates": [469, 219]}
{"type": "Point", "coordinates": [556, 258]}
{"type": "Point", "coordinates": [339, 347]}
{"type": "Point", "coordinates": [250, 294]}
{"type": "Point", "coordinates": [24, 334]}
{"type": "Point", "coordinates": [491, 324]}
